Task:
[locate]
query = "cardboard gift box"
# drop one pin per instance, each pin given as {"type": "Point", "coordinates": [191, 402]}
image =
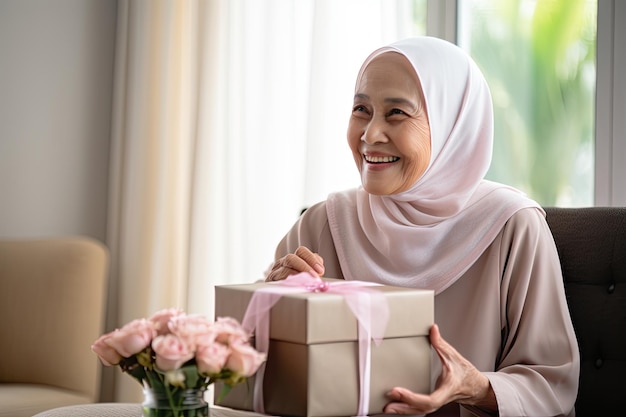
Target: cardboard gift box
{"type": "Point", "coordinates": [312, 367]}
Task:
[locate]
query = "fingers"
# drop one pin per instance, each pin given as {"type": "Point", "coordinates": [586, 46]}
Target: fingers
{"type": "Point", "coordinates": [302, 260]}
{"type": "Point", "coordinates": [404, 401]}
{"type": "Point", "coordinates": [443, 348]}
{"type": "Point", "coordinates": [313, 260]}
{"type": "Point", "coordinates": [460, 380]}
{"type": "Point", "coordinates": [436, 339]}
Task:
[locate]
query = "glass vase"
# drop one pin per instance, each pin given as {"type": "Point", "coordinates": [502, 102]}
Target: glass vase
{"type": "Point", "coordinates": [174, 402]}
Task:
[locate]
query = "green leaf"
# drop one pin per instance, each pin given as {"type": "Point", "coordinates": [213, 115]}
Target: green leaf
{"type": "Point", "coordinates": [192, 377]}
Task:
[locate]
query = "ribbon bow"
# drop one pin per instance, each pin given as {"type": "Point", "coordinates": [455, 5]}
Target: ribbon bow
{"type": "Point", "coordinates": [368, 306]}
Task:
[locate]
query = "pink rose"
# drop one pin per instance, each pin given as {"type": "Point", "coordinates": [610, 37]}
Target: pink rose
{"type": "Point", "coordinates": [132, 338]}
{"type": "Point", "coordinates": [192, 329]}
{"type": "Point", "coordinates": [107, 354]}
{"type": "Point", "coordinates": [228, 330]}
{"type": "Point", "coordinates": [211, 358]}
{"type": "Point", "coordinates": [171, 352]}
{"type": "Point", "coordinates": [161, 319]}
{"type": "Point", "coordinates": [244, 360]}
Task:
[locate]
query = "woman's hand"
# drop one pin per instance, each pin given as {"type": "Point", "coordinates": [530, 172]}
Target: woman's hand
{"type": "Point", "coordinates": [302, 260]}
{"type": "Point", "coordinates": [459, 381]}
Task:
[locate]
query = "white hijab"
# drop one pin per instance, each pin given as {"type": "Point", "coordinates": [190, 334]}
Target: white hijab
{"type": "Point", "coordinates": [429, 235]}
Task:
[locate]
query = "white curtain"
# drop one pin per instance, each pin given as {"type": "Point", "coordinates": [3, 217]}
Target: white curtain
{"type": "Point", "coordinates": [229, 117]}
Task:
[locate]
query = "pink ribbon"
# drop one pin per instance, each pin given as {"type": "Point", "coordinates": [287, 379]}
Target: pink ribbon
{"type": "Point", "coordinates": [369, 307]}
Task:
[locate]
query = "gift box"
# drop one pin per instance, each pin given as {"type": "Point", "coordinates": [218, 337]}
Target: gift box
{"type": "Point", "coordinates": [313, 366]}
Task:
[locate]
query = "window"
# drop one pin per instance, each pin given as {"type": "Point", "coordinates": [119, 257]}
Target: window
{"type": "Point", "coordinates": [539, 60]}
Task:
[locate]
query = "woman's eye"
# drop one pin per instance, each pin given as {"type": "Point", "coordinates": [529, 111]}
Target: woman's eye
{"type": "Point", "coordinates": [394, 112]}
{"type": "Point", "coordinates": [360, 110]}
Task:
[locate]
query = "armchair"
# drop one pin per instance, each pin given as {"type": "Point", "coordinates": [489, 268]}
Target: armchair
{"type": "Point", "coordinates": [52, 294]}
{"type": "Point", "coordinates": [592, 248]}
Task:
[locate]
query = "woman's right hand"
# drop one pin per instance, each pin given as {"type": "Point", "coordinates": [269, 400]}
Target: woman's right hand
{"type": "Point", "coordinates": [302, 260]}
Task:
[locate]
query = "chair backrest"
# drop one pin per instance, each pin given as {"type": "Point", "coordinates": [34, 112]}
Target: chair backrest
{"type": "Point", "coordinates": [52, 295]}
{"type": "Point", "coordinates": [592, 248]}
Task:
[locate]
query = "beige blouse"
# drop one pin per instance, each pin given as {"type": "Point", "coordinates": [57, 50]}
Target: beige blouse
{"type": "Point", "coordinates": [507, 314]}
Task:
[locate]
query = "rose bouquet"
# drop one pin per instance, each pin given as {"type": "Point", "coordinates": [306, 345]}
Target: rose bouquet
{"type": "Point", "coordinates": [176, 356]}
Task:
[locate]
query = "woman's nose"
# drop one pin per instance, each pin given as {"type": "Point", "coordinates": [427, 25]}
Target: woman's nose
{"type": "Point", "coordinates": [374, 132]}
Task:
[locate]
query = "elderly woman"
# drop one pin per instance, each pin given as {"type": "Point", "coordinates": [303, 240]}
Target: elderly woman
{"type": "Point", "coordinates": [421, 133]}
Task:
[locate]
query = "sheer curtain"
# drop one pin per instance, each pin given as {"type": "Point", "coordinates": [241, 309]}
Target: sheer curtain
{"type": "Point", "coordinates": [151, 169]}
{"type": "Point", "coordinates": [229, 117]}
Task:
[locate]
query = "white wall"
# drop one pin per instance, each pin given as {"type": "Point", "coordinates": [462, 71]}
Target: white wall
{"type": "Point", "coordinates": [56, 83]}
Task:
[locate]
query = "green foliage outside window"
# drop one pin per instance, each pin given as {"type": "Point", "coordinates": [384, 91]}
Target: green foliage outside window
{"type": "Point", "coordinates": [539, 60]}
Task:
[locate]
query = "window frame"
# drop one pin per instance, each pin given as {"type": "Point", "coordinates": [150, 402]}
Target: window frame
{"type": "Point", "coordinates": [610, 140]}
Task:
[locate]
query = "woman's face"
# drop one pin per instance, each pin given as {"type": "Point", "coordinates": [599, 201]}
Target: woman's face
{"type": "Point", "coordinates": [388, 132]}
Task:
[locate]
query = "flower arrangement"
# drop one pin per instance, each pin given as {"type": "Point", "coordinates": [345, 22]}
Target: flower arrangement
{"type": "Point", "coordinates": [172, 353]}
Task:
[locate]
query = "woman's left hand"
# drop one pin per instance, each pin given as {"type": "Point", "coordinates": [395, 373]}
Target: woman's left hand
{"type": "Point", "coordinates": [459, 381]}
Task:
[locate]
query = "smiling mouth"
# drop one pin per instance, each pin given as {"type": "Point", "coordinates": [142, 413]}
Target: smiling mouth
{"type": "Point", "coordinates": [380, 159]}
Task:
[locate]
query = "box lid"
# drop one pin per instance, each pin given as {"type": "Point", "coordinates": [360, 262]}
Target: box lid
{"type": "Point", "coordinates": [324, 317]}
